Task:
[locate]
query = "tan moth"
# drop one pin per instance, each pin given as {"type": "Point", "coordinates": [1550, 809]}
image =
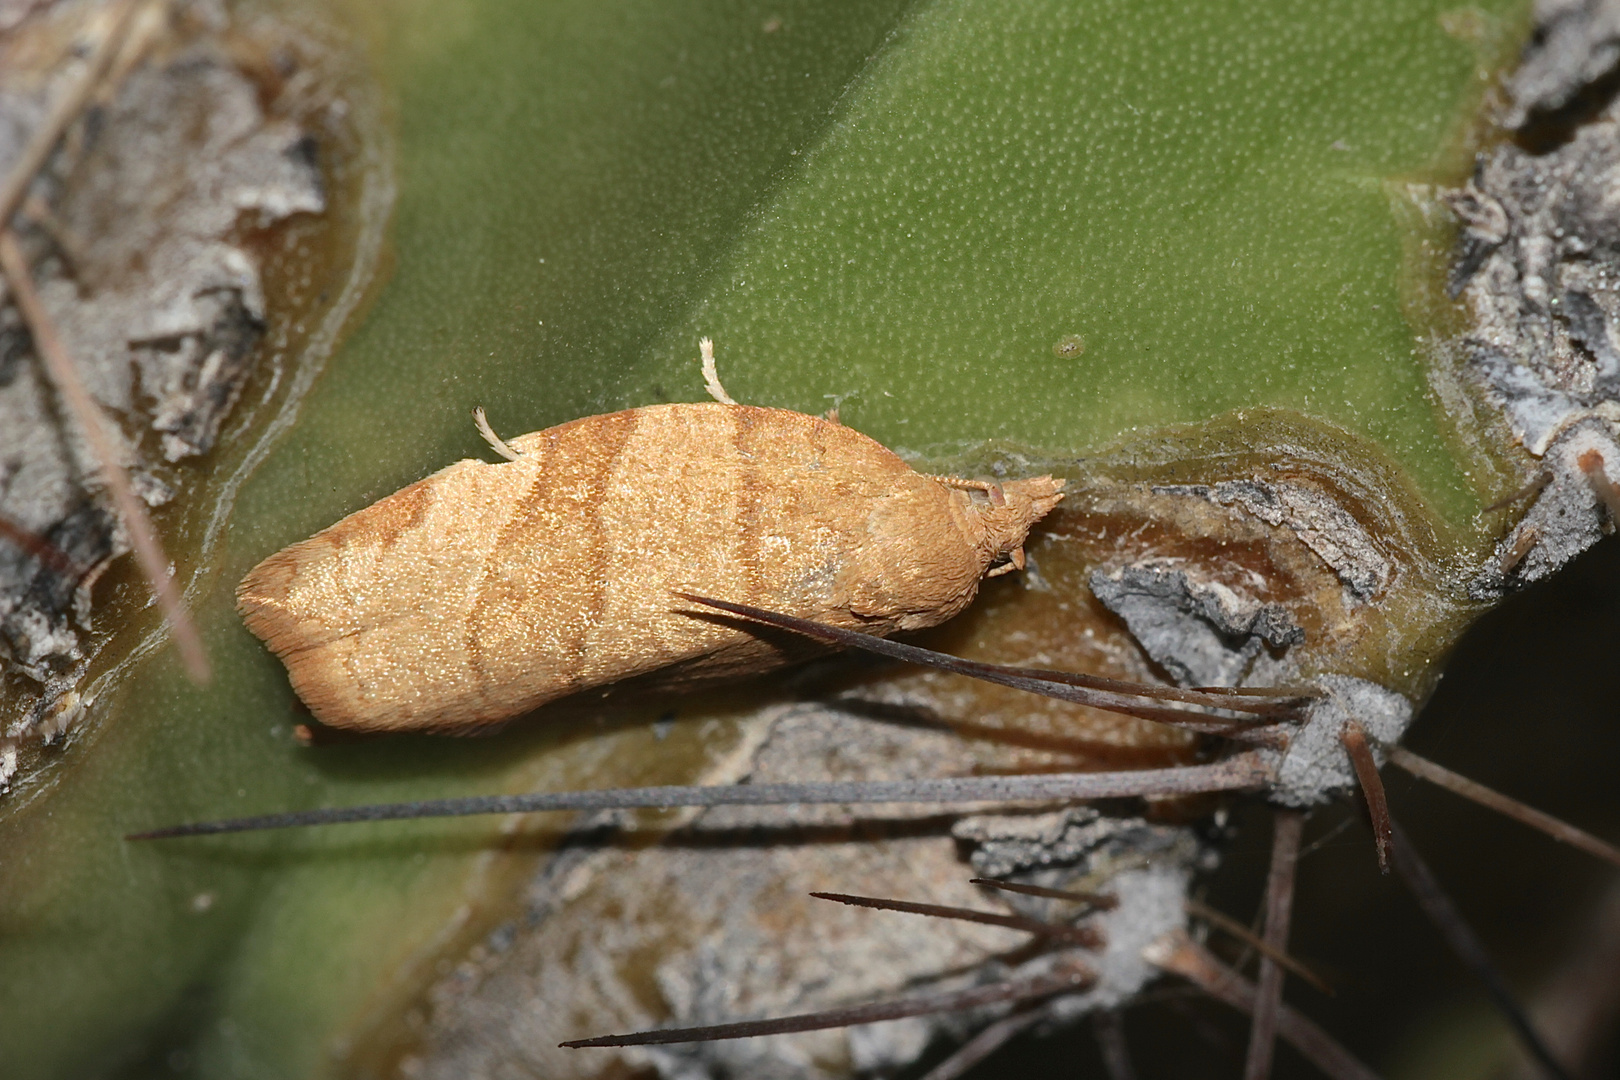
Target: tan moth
{"type": "Point", "coordinates": [486, 590]}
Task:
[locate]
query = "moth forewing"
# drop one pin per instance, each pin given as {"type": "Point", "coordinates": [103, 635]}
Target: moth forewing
{"type": "Point", "coordinates": [487, 590]}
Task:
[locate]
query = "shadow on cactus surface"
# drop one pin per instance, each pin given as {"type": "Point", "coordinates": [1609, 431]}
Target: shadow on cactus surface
{"type": "Point", "coordinates": [1194, 259]}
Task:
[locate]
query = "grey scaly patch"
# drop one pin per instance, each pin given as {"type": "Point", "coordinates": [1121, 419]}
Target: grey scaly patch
{"type": "Point", "coordinates": [1315, 769]}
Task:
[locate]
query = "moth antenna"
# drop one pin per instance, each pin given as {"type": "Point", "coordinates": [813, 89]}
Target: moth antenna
{"type": "Point", "coordinates": [1533, 488]}
{"type": "Point", "coordinates": [711, 374]}
{"type": "Point", "coordinates": [1109, 1027]}
{"type": "Point", "coordinates": [1099, 901]}
{"type": "Point", "coordinates": [1462, 940]}
{"type": "Point", "coordinates": [1180, 955]}
{"type": "Point", "coordinates": [1241, 772]}
{"type": "Point", "coordinates": [1087, 937]}
{"type": "Point", "coordinates": [992, 490]}
{"type": "Point", "coordinates": [1223, 922]}
{"type": "Point", "coordinates": [1591, 463]}
{"type": "Point", "coordinates": [985, 1043]}
{"type": "Point", "coordinates": [498, 444]}
{"type": "Point", "coordinates": [1354, 739]}
{"type": "Point", "coordinates": [1093, 690]}
{"type": "Point", "coordinates": [64, 375]}
{"type": "Point", "coordinates": [1288, 826]}
{"type": "Point", "coordinates": [1072, 978]}
{"type": "Point", "coordinates": [1458, 784]}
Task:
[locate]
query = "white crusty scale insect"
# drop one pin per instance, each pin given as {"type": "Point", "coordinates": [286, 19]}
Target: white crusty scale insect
{"type": "Point", "coordinates": [486, 590]}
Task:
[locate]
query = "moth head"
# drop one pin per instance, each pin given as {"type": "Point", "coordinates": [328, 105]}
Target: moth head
{"type": "Point", "coordinates": [1007, 515]}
